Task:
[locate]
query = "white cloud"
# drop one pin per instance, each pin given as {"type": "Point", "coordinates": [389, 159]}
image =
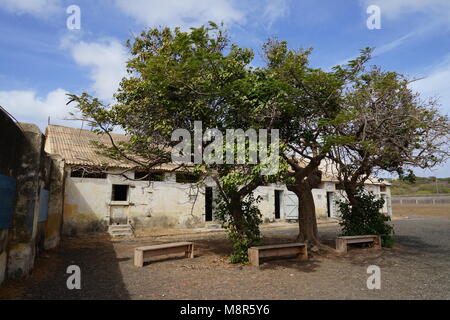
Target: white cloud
{"type": "Point", "coordinates": [274, 10]}
{"type": "Point", "coordinates": [37, 8]}
{"type": "Point", "coordinates": [107, 61]}
{"type": "Point", "coordinates": [184, 13]}
{"type": "Point", "coordinates": [27, 106]}
{"type": "Point", "coordinates": [393, 9]}
{"type": "Point", "coordinates": [436, 84]}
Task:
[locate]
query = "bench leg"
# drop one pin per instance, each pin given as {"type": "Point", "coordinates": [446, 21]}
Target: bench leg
{"type": "Point", "coordinates": [303, 255]}
{"type": "Point", "coordinates": [139, 258]}
{"type": "Point", "coordinates": [377, 242]}
{"type": "Point", "coordinates": [341, 245]}
{"type": "Point", "coordinates": [190, 252]}
{"type": "Point", "coordinates": [253, 257]}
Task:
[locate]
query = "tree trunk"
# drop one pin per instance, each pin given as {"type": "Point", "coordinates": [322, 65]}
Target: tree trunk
{"type": "Point", "coordinates": [307, 222]}
{"type": "Point", "coordinates": [308, 231]}
{"type": "Point", "coordinates": [236, 213]}
{"type": "Point", "coordinates": [351, 192]}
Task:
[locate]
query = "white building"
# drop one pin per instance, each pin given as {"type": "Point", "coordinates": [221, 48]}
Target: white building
{"type": "Point", "coordinates": [167, 199]}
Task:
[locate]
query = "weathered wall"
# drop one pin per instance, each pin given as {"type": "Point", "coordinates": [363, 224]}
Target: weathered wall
{"type": "Point", "coordinates": [54, 221]}
{"type": "Point", "coordinates": [151, 205]}
{"type": "Point", "coordinates": [26, 173]}
{"type": "Point", "coordinates": [376, 190]}
{"type": "Point", "coordinates": [156, 205]}
{"type": "Point", "coordinates": [12, 142]}
{"type": "Point", "coordinates": [24, 231]}
{"type": "Point", "coordinates": [267, 204]}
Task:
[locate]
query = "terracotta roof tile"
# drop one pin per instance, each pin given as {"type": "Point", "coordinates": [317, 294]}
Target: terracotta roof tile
{"type": "Point", "coordinates": [76, 147]}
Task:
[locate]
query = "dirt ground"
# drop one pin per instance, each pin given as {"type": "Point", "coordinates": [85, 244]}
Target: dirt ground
{"type": "Point", "coordinates": [422, 210]}
{"type": "Point", "coordinates": [416, 268]}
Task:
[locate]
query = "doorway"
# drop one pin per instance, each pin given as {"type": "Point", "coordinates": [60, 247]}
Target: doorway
{"type": "Point", "coordinates": [278, 194]}
{"type": "Point", "coordinates": [330, 199]}
{"type": "Point", "coordinates": [290, 206]}
{"type": "Point", "coordinates": [118, 215]}
{"type": "Point", "coordinates": [208, 204]}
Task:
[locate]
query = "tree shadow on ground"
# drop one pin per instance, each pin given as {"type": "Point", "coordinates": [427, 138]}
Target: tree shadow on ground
{"type": "Point", "coordinates": [223, 248]}
{"type": "Point", "coordinates": [216, 246]}
{"type": "Point", "coordinates": [306, 266]}
{"type": "Point", "coordinates": [100, 273]}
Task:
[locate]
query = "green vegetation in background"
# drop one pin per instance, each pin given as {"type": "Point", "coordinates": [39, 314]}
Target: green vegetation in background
{"type": "Point", "coordinates": [429, 185]}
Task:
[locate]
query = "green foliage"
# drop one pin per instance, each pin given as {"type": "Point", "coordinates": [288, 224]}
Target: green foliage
{"type": "Point", "coordinates": [366, 218]}
{"type": "Point", "coordinates": [178, 77]}
{"type": "Point", "coordinates": [421, 185]}
{"type": "Point", "coordinates": [243, 229]}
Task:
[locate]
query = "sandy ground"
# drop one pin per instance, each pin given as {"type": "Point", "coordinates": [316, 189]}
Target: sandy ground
{"type": "Point", "coordinates": [422, 210]}
{"type": "Point", "coordinates": [418, 267]}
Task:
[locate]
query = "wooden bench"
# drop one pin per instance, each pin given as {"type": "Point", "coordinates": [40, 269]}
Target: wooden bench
{"type": "Point", "coordinates": [142, 253]}
{"type": "Point", "coordinates": [342, 242]}
{"type": "Point", "coordinates": [277, 250]}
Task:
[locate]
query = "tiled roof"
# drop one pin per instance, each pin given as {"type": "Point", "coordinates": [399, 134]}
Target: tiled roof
{"type": "Point", "coordinates": [75, 146]}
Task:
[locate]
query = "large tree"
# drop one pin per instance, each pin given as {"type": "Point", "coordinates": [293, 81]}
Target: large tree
{"type": "Point", "coordinates": [175, 79]}
{"type": "Point", "coordinates": [390, 129]}
{"type": "Point", "coordinates": [307, 109]}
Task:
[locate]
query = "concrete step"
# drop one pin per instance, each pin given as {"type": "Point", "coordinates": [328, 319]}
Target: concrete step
{"type": "Point", "coordinates": [125, 231]}
{"type": "Point", "coordinates": [213, 226]}
{"type": "Point", "coordinates": [122, 234]}
{"type": "Point", "coordinates": [120, 227]}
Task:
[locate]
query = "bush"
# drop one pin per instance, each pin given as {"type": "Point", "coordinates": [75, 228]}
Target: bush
{"type": "Point", "coordinates": [245, 233]}
{"type": "Point", "coordinates": [366, 218]}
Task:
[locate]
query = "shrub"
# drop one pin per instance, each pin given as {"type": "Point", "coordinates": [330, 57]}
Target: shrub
{"type": "Point", "coordinates": [244, 233]}
{"type": "Point", "coordinates": [366, 218]}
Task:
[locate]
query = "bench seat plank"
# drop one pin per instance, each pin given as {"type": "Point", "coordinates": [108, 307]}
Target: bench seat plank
{"type": "Point", "coordinates": [164, 245]}
{"type": "Point", "coordinates": [358, 237]}
{"type": "Point", "coordinates": [360, 240]}
{"type": "Point", "coordinates": [275, 246]}
{"type": "Point", "coordinates": [342, 242]}
{"type": "Point", "coordinates": [141, 253]}
{"type": "Point", "coordinates": [277, 250]}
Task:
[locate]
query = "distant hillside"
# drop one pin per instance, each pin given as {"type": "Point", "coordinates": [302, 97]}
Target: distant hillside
{"type": "Point", "coordinates": [421, 186]}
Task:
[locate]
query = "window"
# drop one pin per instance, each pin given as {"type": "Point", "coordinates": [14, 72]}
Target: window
{"type": "Point", "coordinates": [382, 188]}
{"type": "Point", "coordinates": [187, 178]}
{"type": "Point", "coordinates": [82, 173]}
{"type": "Point", "coordinates": [120, 192]}
{"type": "Point", "coordinates": [339, 186]}
{"type": "Point", "coordinates": [149, 176]}
{"type": "Point", "coordinates": [146, 176]}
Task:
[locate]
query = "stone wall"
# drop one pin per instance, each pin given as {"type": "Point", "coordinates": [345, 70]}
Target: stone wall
{"type": "Point", "coordinates": [31, 197]}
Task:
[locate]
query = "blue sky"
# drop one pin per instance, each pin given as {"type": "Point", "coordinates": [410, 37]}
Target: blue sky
{"type": "Point", "coordinates": [41, 60]}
